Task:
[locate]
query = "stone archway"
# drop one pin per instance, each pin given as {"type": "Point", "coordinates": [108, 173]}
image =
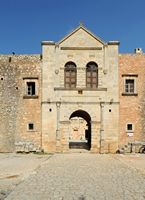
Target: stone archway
{"type": "Point", "coordinates": [80, 130]}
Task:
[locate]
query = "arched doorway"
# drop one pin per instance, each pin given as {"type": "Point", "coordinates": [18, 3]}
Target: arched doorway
{"type": "Point", "coordinates": [80, 130]}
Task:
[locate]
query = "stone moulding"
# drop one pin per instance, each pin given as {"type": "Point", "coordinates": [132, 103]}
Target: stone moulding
{"type": "Point", "coordinates": [76, 102]}
{"type": "Point", "coordinates": [81, 48]}
{"type": "Point", "coordinates": [30, 78]}
{"type": "Point", "coordinates": [83, 89]}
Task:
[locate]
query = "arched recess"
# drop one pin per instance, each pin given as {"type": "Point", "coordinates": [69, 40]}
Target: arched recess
{"type": "Point", "coordinates": [92, 75]}
{"type": "Point", "coordinates": [83, 124]}
{"type": "Point", "coordinates": [70, 75]}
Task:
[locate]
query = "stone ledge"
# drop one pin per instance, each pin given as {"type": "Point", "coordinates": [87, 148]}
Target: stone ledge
{"type": "Point", "coordinates": [127, 94]}
{"type": "Point", "coordinates": [30, 97]}
{"type": "Point", "coordinates": [83, 89]}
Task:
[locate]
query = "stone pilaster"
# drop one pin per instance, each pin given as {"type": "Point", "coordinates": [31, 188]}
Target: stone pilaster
{"type": "Point", "coordinates": [95, 136]}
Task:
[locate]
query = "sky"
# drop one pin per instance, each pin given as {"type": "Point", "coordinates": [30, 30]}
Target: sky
{"type": "Point", "coordinates": [25, 23]}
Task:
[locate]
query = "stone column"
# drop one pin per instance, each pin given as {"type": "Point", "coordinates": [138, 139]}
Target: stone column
{"type": "Point", "coordinates": [65, 135]}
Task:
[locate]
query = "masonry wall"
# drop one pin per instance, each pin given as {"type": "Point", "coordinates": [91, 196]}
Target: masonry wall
{"type": "Point", "coordinates": [16, 110]}
{"type": "Point", "coordinates": [80, 48]}
{"type": "Point", "coordinates": [132, 108]}
{"type": "Point", "coordinates": [9, 100]}
{"type": "Point", "coordinates": [53, 104]}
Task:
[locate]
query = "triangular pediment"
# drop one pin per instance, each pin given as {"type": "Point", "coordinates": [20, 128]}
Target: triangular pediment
{"type": "Point", "coordinates": [81, 37]}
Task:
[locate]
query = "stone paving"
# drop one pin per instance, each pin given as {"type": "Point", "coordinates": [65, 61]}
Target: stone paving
{"type": "Point", "coordinates": [14, 168]}
{"type": "Point", "coordinates": [82, 176]}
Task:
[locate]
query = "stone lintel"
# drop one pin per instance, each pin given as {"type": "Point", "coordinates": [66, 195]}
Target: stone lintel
{"type": "Point", "coordinates": [130, 75]}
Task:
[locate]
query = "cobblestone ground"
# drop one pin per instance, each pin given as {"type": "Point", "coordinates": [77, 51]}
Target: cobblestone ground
{"type": "Point", "coordinates": [82, 177]}
{"type": "Point", "coordinates": [14, 168]}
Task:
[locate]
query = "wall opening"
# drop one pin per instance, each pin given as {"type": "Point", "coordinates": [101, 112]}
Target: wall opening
{"type": "Point", "coordinates": [80, 130]}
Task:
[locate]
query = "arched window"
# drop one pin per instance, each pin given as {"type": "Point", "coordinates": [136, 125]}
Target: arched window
{"type": "Point", "coordinates": [92, 75]}
{"type": "Point", "coordinates": [70, 75]}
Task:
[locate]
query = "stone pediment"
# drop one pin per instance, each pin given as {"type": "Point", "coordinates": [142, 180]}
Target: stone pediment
{"type": "Point", "coordinates": [81, 38]}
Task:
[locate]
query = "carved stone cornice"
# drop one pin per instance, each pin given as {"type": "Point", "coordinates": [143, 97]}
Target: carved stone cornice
{"type": "Point", "coordinates": [81, 48]}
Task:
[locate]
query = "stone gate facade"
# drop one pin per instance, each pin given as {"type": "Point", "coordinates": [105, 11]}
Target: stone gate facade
{"type": "Point", "coordinates": [79, 93]}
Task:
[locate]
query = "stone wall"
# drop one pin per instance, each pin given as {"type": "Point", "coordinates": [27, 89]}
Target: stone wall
{"type": "Point", "coordinates": [80, 47]}
{"type": "Point", "coordinates": [132, 107]}
{"type": "Point", "coordinates": [15, 111]}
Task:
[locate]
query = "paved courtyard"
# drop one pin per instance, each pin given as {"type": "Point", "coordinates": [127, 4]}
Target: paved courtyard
{"type": "Point", "coordinates": [78, 176]}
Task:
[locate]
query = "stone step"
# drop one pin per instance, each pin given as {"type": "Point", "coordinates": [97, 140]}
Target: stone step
{"type": "Point", "coordinates": [78, 145]}
{"type": "Point", "coordinates": [78, 151]}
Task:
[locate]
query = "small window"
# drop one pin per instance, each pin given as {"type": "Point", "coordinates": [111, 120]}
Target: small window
{"type": "Point", "coordinates": [129, 86]}
{"type": "Point", "coordinates": [31, 126]}
{"type": "Point", "coordinates": [129, 127]}
{"type": "Point", "coordinates": [80, 92]}
{"type": "Point", "coordinates": [30, 88]}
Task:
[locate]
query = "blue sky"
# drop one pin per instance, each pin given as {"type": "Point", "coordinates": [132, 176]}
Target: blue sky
{"type": "Point", "coordinates": [25, 23]}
